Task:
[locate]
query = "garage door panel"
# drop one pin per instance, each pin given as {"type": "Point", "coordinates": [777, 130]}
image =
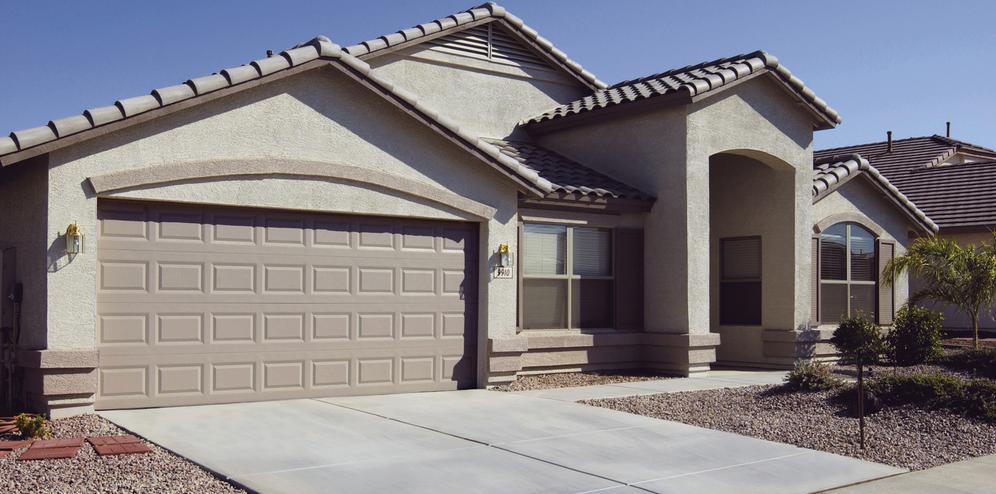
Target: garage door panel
{"type": "Point", "coordinates": [213, 305]}
{"type": "Point", "coordinates": [217, 378]}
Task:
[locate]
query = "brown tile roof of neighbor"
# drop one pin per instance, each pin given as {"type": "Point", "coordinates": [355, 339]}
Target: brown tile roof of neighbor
{"type": "Point", "coordinates": [23, 144]}
{"type": "Point", "coordinates": [693, 80]}
{"type": "Point", "coordinates": [953, 195]}
{"type": "Point", "coordinates": [459, 21]}
{"type": "Point", "coordinates": [836, 170]}
{"type": "Point", "coordinates": [566, 175]}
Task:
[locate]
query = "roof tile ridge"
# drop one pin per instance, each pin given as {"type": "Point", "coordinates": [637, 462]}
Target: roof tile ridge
{"type": "Point", "coordinates": [669, 72]}
{"type": "Point", "coordinates": [20, 140]}
{"type": "Point", "coordinates": [913, 138]}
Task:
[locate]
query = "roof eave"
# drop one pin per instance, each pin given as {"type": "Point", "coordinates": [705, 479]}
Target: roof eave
{"type": "Point", "coordinates": [59, 143]}
{"type": "Point", "coordinates": [350, 66]}
{"type": "Point", "coordinates": [587, 202]}
{"type": "Point", "coordinates": [629, 108]}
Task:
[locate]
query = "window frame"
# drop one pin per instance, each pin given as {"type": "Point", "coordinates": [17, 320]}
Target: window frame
{"type": "Point", "coordinates": [847, 281]}
{"type": "Point", "coordinates": [759, 280]}
{"type": "Point", "coordinates": [569, 277]}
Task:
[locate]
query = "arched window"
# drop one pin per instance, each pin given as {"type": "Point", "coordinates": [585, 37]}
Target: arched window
{"type": "Point", "coordinates": [848, 272]}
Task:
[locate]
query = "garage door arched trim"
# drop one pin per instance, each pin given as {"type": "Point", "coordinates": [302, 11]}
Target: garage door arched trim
{"type": "Point", "coordinates": [224, 169]}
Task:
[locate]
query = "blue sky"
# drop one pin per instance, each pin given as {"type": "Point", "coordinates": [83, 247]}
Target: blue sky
{"type": "Point", "coordinates": [905, 66]}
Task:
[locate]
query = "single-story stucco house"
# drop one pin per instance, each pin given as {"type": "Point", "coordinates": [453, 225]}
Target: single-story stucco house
{"type": "Point", "coordinates": [953, 182]}
{"type": "Point", "coordinates": [449, 206]}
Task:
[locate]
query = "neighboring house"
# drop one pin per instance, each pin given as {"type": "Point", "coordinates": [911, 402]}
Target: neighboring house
{"type": "Point", "coordinates": [952, 182]}
{"type": "Point", "coordinates": [448, 206]}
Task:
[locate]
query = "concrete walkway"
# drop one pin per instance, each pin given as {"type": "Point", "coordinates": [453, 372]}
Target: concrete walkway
{"type": "Point", "coordinates": [713, 380]}
{"type": "Point", "coordinates": [479, 441]}
{"type": "Point", "coordinates": [974, 476]}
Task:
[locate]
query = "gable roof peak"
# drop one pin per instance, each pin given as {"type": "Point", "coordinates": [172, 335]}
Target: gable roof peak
{"type": "Point", "coordinates": [480, 14]}
{"type": "Point", "coordinates": [693, 81]}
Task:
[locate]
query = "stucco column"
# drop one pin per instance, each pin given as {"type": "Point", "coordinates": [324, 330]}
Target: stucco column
{"type": "Point", "coordinates": [677, 270]}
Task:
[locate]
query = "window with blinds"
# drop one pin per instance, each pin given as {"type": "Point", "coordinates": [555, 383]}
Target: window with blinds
{"type": "Point", "coordinates": [490, 41]}
{"type": "Point", "coordinates": [567, 277]}
{"type": "Point", "coordinates": [848, 272]}
{"type": "Point", "coordinates": [740, 281]}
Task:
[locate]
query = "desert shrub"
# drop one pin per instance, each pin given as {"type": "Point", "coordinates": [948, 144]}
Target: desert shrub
{"type": "Point", "coordinates": [848, 395]}
{"type": "Point", "coordinates": [857, 338]}
{"type": "Point", "coordinates": [809, 376]}
{"type": "Point", "coordinates": [33, 426]}
{"type": "Point", "coordinates": [980, 362]}
{"type": "Point", "coordinates": [916, 335]}
{"type": "Point", "coordinates": [971, 397]}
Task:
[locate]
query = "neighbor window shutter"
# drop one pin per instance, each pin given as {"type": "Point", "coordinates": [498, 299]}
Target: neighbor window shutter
{"type": "Point", "coordinates": [814, 285]}
{"type": "Point", "coordinates": [886, 292]}
{"type": "Point", "coordinates": [629, 279]}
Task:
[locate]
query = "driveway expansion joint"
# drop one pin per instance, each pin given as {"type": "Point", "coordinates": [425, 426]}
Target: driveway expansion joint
{"type": "Point", "coordinates": [490, 445]}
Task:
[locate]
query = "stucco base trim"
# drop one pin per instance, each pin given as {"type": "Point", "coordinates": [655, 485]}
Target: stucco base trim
{"type": "Point", "coordinates": [545, 352]}
{"type": "Point", "coordinates": [783, 348]}
{"type": "Point", "coordinates": [686, 354]}
{"type": "Point", "coordinates": [61, 383]}
{"type": "Point", "coordinates": [158, 175]}
{"type": "Point", "coordinates": [505, 358]}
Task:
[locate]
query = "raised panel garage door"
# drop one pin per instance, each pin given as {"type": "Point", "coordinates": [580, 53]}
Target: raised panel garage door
{"type": "Point", "coordinates": [212, 305]}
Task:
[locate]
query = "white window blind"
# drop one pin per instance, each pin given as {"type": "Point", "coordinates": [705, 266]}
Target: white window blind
{"type": "Point", "coordinates": [545, 249]}
{"type": "Point", "coordinates": [592, 252]}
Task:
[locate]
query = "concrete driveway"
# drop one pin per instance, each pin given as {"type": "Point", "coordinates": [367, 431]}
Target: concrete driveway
{"type": "Point", "coordinates": [478, 441]}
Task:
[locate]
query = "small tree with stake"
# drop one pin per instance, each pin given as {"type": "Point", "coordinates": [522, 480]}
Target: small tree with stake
{"type": "Point", "coordinates": [859, 341]}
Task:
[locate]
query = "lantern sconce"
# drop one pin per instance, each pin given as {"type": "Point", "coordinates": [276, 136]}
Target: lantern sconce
{"type": "Point", "coordinates": [74, 240]}
{"type": "Point", "coordinates": [504, 257]}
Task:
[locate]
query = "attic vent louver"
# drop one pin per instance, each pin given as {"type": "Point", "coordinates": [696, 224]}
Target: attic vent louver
{"type": "Point", "coordinates": [490, 42]}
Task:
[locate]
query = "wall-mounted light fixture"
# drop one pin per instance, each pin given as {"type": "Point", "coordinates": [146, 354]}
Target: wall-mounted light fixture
{"type": "Point", "coordinates": [503, 263]}
{"type": "Point", "coordinates": [504, 258]}
{"type": "Point", "coordinates": [74, 240]}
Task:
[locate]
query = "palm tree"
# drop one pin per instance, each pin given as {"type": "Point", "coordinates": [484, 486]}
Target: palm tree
{"type": "Point", "coordinates": [961, 276]}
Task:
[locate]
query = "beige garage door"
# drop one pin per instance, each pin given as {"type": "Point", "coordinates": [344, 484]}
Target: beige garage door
{"type": "Point", "coordinates": [211, 305]}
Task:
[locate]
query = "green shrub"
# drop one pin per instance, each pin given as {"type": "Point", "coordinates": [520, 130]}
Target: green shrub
{"type": "Point", "coordinates": [809, 376]}
{"type": "Point", "coordinates": [916, 336]}
{"type": "Point", "coordinates": [980, 362]}
{"type": "Point", "coordinates": [857, 338]}
{"type": "Point", "coordinates": [33, 426]}
{"type": "Point", "coordinates": [971, 397]}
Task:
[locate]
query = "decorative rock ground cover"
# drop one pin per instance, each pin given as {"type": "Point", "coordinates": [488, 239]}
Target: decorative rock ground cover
{"type": "Point", "coordinates": [157, 470]}
{"type": "Point", "coordinates": [573, 379]}
{"type": "Point", "coordinates": [906, 437]}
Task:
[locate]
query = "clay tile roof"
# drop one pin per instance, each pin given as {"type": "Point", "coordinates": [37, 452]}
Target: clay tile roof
{"type": "Point", "coordinates": [694, 80]}
{"type": "Point", "coordinates": [832, 171]}
{"type": "Point", "coordinates": [566, 175]}
{"type": "Point", "coordinates": [456, 22]}
{"type": "Point", "coordinates": [954, 195]}
{"type": "Point", "coordinates": [318, 48]}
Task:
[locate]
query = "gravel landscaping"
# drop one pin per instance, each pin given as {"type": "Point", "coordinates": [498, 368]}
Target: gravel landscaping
{"type": "Point", "coordinates": [905, 437]}
{"type": "Point", "coordinates": [158, 471]}
{"type": "Point", "coordinates": [573, 379]}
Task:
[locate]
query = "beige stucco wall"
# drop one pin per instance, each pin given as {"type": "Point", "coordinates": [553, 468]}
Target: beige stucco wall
{"type": "Point", "coordinates": [488, 99]}
{"type": "Point", "coordinates": [23, 226]}
{"type": "Point", "coordinates": [862, 202]}
{"type": "Point", "coordinates": [953, 318]}
{"type": "Point", "coordinates": [317, 116]}
{"type": "Point", "coordinates": [666, 152]}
